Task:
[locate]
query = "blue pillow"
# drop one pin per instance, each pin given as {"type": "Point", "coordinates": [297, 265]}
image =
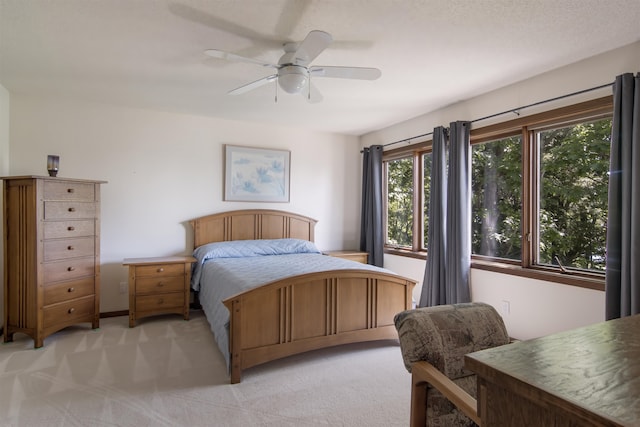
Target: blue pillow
{"type": "Point", "coordinates": [251, 248]}
{"type": "Point", "coordinates": [248, 248]}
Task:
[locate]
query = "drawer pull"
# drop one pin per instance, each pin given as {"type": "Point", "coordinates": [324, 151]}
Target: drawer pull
{"type": "Point", "coordinates": [71, 310]}
{"type": "Point", "coordinates": [71, 268]}
{"type": "Point", "coordinates": [160, 301]}
{"type": "Point", "coordinates": [71, 289]}
{"type": "Point", "coordinates": [72, 209]}
{"type": "Point", "coordinates": [71, 228]}
{"type": "Point", "coordinates": [70, 190]}
{"type": "Point", "coordinates": [160, 284]}
{"type": "Point", "coordinates": [160, 270]}
{"type": "Point", "coordinates": [70, 248]}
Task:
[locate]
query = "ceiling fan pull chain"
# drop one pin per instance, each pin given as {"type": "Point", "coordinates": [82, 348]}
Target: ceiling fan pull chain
{"type": "Point", "coordinates": [276, 85]}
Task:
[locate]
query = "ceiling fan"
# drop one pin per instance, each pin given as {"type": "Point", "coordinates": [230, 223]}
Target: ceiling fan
{"type": "Point", "coordinates": [293, 70]}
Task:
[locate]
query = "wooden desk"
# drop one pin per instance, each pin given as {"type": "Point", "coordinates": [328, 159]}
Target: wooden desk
{"type": "Point", "coordinates": [584, 377]}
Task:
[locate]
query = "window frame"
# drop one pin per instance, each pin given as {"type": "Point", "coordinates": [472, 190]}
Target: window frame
{"type": "Point", "coordinates": [385, 203]}
{"type": "Point", "coordinates": [415, 152]}
{"type": "Point", "coordinates": [525, 127]}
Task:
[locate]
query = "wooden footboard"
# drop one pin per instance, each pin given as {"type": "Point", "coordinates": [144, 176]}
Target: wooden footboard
{"type": "Point", "coordinates": [313, 311]}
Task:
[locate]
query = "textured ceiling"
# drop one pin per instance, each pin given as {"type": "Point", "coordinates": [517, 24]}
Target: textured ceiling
{"type": "Point", "coordinates": [149, 53]}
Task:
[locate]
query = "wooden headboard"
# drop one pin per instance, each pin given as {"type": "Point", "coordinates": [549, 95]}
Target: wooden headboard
{"type": "Point", "coordinates": [252, 224]}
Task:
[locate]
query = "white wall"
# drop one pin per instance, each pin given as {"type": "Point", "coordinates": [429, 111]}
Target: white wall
{"type": "Point", "coordinates": [536, 307]}
{"type": "Point", "coordinates": [4, 170]}
{"type": "Point", "coordinates": [164, 169]}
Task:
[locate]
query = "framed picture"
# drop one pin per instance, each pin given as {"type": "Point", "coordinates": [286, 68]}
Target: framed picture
{"type": "Point", "coordinates": [256, 174]}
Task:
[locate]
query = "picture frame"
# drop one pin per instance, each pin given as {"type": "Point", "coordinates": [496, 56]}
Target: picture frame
{"type": "Point", "coordinates": [256, 174]}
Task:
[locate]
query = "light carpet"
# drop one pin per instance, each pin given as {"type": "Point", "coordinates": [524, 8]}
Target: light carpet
{"type": "Point", "coordinates": [168, 372]}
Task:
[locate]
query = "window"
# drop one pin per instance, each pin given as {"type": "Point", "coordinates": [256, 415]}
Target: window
{"type": "Point", "coordinates": [496, 198]}
{"type": "Point", "coordinates": [539, 195]}
{"type": "Point", "coordinates": [407, 210]}
{"type": "Point", "coordinates": [572, 223]}
{"type": "Point", "coordinates": [400, 202]}
{"type": "Point", "coordinates": [426, 191]}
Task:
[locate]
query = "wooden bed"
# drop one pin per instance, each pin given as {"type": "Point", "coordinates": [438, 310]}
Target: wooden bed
{"type": "Point", "coordinates": [304, 312]}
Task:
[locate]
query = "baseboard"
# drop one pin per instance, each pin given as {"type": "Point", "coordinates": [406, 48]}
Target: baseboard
{"type": "Point", "coordinates": [192, 306]}
{"type": "Point", "coordinates": [114, 313]}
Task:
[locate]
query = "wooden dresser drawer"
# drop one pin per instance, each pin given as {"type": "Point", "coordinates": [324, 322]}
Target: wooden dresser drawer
{"type": "Point", "coordinates": [361, 258]}
{"type": "Point", "coordinates": [69, 248]}
{"type": "Point", "coordinates": [69, 210]}
{"type": "Point", "coordinates": [67, 190]}
{"type": "Point", "coordinates": [147, 285]}
{"type": "Point", "coordinates": [69, 269]}
{"type": "Point", "coordinates": [159, 302]}
{"type": "Point", "coordinates": [62, 229]}
{"type": "Point", "coordinates": [68, 312]}
{"type": "Point", "coordinates": [66, 291]}
{"type": "Point", "coordinates": [160, 270]}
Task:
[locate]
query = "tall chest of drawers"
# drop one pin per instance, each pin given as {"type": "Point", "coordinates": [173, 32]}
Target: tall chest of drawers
{"type": "Point", "coordinates": [51, 255]}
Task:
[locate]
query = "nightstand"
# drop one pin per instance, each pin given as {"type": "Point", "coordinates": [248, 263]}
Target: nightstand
{"type": "Point", "coordinates": [357, 256]}
{"type": "Point", "coordinates": [158, 286]}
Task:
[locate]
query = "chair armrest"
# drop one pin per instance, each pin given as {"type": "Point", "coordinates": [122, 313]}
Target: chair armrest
{"type": "Point", "coordinates": [423, 372]}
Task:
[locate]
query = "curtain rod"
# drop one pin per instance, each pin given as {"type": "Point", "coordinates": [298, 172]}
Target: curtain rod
{"type": "Point", "coordinates": [513, 110]}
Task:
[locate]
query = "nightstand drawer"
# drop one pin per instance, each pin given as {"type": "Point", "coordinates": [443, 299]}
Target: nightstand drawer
{"type": "Point", "coordinates": [147, 285]}
{"type": "Point", "coordinates": [159, 302]}
{"type": "Point", "coordinates": [69, 191]}
{"type": "Point", "coordinates": [69, 210]}
{"type": "Point", "coordinates": [160, 270]}
{"type": "Point", "coordinates": [62, 229]}
{"type": "Point", "coordinates": [356, 256]}
{"type": "Point", "coordinates": [68, 290]}
{"type": "Point", "coordinates": [69, 248]}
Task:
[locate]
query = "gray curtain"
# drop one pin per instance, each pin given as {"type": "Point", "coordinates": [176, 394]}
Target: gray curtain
{"type": "Point", "coordinates": [459, 214]}
{"type": "Point", "coordinates": [433, 285]}
{"type": "Point", "coordinates": [446, 277]}
{"type": "Point", "coordinates": [622, 292]}
{"type": "Point", "coordinates": [371, 226]}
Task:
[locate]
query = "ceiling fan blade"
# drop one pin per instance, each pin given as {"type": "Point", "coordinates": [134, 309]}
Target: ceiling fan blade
{"type": "Point", "coordinates": [312, 46]}
{"type": "Point", "coordinates": [220, 54]}
{"type": "Point", "coordinates": [253, 85]}
{"type": "Point", "coordinates": [312, 94]}
{"type": "Point", "coordinates": [291, 14]}
{"type": "Point", "coordinates": [210, 20]}
{"type": "Point", "coordinates": [361, 73]}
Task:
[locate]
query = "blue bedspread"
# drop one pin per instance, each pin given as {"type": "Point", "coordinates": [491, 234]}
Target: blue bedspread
{"type": "Point", "coordinates": [220, 278]}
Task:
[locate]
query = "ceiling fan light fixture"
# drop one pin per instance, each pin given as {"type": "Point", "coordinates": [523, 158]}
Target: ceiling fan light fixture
{"type": "Point", "coordinates": [293, 78]}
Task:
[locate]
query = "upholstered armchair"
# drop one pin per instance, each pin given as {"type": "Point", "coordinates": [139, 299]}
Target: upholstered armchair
{"type": "Point", "coordinates": [433, 342]}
